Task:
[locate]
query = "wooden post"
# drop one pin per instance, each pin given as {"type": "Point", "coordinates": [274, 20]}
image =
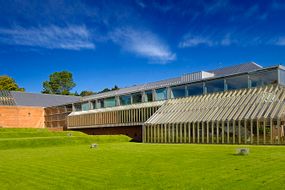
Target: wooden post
{"type": "Point", "coordinates": [251, 131]}
{"type": "Point", "coordinates": [234, 131]}
{"type": "Point", "coordinates": [223, 132]}
{"type": "Point", "coordinates": [264, 131]}
{"type": "Point", "coordinates": [203, 133]}
{"type": "Point", "coordinates": [212, 133]}
{"type": "Point", "coordinates": [207, 132]}
{"type": "Point", "coordinates": [189, 132]}
{"type": "Point", "coordinates": [177, 135]}
{"type": "Point", "coordinates": [193, 127]}
{"type": "Point", "coordinates": [271, 130]}
{"type": "Point", "coordinates": [180, 135]}
{"type": "Point", "coordinates": [228, 132]}
{"type": "Point", "coordinates": [278, 130]}
{"type": "Point", "coordinates": [218, 136]}
{"type": "Point", "coordinates": [245, 132]}
{"type": "Point", "coordinates": [198, 132]}
{"type": "Point", "coordinates": [185, 132]}
{"type": "Point", "coordinates": [239, 132]}
{"type": "Point", "coordinates": [257, 131]}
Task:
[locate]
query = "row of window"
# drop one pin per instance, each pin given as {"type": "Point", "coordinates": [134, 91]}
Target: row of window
{"type": "Point", "coordinates": [218, 85]}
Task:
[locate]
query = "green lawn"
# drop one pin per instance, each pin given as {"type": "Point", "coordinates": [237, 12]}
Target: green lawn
{"type": "Point", "coordinates": [59, 161]}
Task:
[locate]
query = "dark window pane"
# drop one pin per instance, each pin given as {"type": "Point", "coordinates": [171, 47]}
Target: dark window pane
{"type": "Point", "coordinates": [215, 86]}
{"type": "Point", "coordinates": [100, 103]}
{"type": "Point", "coordinates": [178, 91]}
{"type": "Point", "coordinates": [195, 89]}
{"type": "Point", "coordinates": [148, 97]}
{"type": "Point", "coordinates": [77, 107]}
{"type": "Point", "coordinates": [264, 78]}
{"type": "Point", "coordinates": [161, 94]}
{"type": "Point", "coordinates": [238, 82]}
{"type": "Point", "coordinates": [125, 100]}
{"type": "Point", "coordinates": [137, 98]}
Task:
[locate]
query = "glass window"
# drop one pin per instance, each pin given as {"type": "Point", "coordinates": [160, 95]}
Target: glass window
{"type": "Point", "coordinates": [77, 107]}
{"type": "Point", "coordinates": [93, 104]}
{"type": "Point", "coordinates": [195, 89]}
{"type": "Point", "coordinates": [237, 82]}
{"type": "Point", "coordinates": [215, 86]}
{"type": "Point", "coordinates": [125, 100]}
{"type": "Point", "coordinates": [282, 76]}
{"type": "Point", "coordinates": [161, 94]}
{"type": "Point", "coordinates": [100, 103]}
{"type": "Point", "coordinates": [85, 106]}
{"type": "Point", "coordinates": [110, 102]}
{"type": "Point", "coordinates": [137, 98]}
{"type": "Point", "coordinates": [178, 91]}
{"type": "Point", "coordinates": [263, 78]}
{"type": "Point", "coordinates": [148, 96]}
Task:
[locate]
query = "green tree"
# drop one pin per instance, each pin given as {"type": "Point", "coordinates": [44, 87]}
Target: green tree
{"type": "Point", "coordinates": [8, 83]}
{"type": "Point", "coordinates": [87, 93]}
{"type": "Point", "coordinates": [59, 83]}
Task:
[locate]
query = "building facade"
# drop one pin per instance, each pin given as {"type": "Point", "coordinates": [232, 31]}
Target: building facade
{"type": "Point", "coordinates": [241, 104]}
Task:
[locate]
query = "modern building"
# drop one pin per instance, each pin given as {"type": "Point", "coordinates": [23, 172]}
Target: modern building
{"type": "Point", "coordinates": [241, 104]}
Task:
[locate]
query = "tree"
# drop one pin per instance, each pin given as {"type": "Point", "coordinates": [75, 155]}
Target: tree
{"type": "Point", "coordinates": [87, 93]}
{"type": "Point", "coordinates": [8, 83]}
{"type": "Point", "coordinates": [59, 83]}
{"type": "Point", "coordinates": [107, 89]}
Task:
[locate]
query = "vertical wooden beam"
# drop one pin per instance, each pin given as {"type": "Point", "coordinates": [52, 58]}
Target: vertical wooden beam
{"type": "Point", "coordinates": [212, 133]}
{"type": "Point", "coordinates": [223, 132]}
{"type": "Point", "coordinates": [218, 138]}
{"type": "Point", "coordinates": [234, 131]}
{"type": "Point", "coordinates": [189, 132]}
{"type": "Point", "coordinates": [245, 131]}
{"type": "Point", "coordinates": [207, 132]}
{"type": "Point", "coordinates": [251, 131]}
{"type": "Point", "coordinates": [264, 131]}
{"type": "Point", "coordinates": [198, 132]}
{"type": "Point", "coordinates": [271, 131]}
{"type": "Point", "coordinates": [257, 131]}
{"type": "Point", "coordinates": [177, 135]}
{"type": "Point", "coordinates": [239, 132]}
{"type": "Point", "coordinates": [228, 131]}
{"type": "Point", "coordinates": [185, 132]}
{"type": "Point", "coordinates": [203, 132]}
{"type": "Point", "coordinates": [193, 128]}
{"type": "Point", "coordinates": [181, 134]}
{"type": "Point", "coordinates": [278, 130]}
{"type": "Point", "coordinates": [173, 133]}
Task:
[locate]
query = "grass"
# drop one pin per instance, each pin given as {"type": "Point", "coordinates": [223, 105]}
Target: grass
{"type": "Point", "coordinates": [117, 164]}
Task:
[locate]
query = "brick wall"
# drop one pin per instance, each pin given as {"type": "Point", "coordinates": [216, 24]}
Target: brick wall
{"type": "Point", "coordinates": [21, 117]}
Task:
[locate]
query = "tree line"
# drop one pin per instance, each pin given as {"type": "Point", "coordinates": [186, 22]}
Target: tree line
{"type": "Point", "coordinates": [58, 83]}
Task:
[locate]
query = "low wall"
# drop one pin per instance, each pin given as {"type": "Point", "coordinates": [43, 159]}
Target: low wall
{"type": "Point", "coordinates": [21, 117]}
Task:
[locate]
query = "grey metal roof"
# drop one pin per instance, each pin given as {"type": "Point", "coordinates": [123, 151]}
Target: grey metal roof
{"type": "Point", "coordinates": [241, 68]}
{"type": "Point", "coordinates": [6, 98]}
{"type": "Point", "coordinates": [42, 100]}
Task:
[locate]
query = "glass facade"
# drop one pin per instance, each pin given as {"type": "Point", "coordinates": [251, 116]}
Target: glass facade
{"type": "Point", "coordinates": [253, 79]}
{"type": "Point", "coordinates": [161, 94]}
{"type": "Point", "coordinates": [195, 89]}
{"type": "Point", "coordinates": [125, 100]}
{"type": "Point", "coordinates": [215, 86]}
{"type": "Point", "coordinates": [237, 82]}
{"type": "Point", "coordinates": [100, 103]}
{"type": "Point", "coordinates": [263, 78]}
{"type": "Point", "coordinates": [148, 96]}
{"type": "Point", "coordinates": [85, 106]}
{"type": "Point", "coordinates": [137, 98]}
{"type": "Point", "coordinates": [178, 91]}
{"type": "Point", "coordinates": [110, 102]}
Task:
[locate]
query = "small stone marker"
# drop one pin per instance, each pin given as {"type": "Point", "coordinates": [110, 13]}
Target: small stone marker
{"type": "Point", "coordinates": [242, 151]}
{"type": "Point", "coordinates": [94, 145]}
{"type": "Point", "coordinates": [69, 134]}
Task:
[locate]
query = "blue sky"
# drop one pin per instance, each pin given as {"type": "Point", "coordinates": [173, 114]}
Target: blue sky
{"type": "Point", "coordinates": [107, 43]}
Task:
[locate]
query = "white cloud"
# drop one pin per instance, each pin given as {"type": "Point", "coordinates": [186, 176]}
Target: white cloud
{"type": "Point", "coordinates": [193, 41]}
{"type": "Point", "coordinates": [142, 43]}
{"type": "Point", "coordinates": [280, 41]}
{"type": "Point", "coordinates": [52, 37]}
